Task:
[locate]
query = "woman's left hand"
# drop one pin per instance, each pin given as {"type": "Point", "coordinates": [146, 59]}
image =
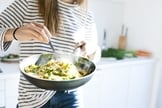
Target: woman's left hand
{"type": "Point", "coordinates": [84, 49]}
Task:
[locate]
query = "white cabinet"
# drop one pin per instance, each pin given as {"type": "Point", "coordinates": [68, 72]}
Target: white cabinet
{"type": "Point", "coordinates": [9, 85]}
{"type": "Point", "coordinates": [120, 84]}
{"type": "Point", "coordinates": [92, 92]}
{"type": "Point", "coordinates": [2, 93]}
{"type": "Point", "coordinates": [11, 92]}
{"type": "Point", "coordinates": [107, 89]}
{"type": "Point", "coordinates": [140, 85]}
{"type": "Point", "coordinates": [114, 87]}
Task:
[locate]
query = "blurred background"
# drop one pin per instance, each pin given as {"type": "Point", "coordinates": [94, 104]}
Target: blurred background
{"type": "Point", "coordinates": [143, 22]}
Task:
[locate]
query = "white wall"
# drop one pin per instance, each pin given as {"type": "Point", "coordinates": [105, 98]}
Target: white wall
{"type": "Point", "coordinates": [144, 19]}
{"type": "Point", "coordinates": [108, 15]}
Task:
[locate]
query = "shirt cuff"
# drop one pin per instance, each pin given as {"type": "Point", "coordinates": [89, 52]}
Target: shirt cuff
{"type": "Point", "coordinates": [4, 45]}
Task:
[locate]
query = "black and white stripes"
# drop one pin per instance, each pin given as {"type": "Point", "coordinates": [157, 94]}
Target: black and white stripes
{"type": "Point", "coordinates": [71, 30]}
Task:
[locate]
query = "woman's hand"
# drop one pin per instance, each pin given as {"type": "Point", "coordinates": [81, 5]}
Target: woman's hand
{"type": "Point", "coordinates": [32, 31]}
{"type": "Point", "coordinates": [84, 50]}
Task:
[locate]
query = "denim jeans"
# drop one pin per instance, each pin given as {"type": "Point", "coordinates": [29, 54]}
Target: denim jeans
{"type": "Point", "coordinates": [65, 99]}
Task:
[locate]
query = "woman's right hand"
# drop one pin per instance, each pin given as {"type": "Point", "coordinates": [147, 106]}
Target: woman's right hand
{"type": "Point", "coordinates": [33, 31]}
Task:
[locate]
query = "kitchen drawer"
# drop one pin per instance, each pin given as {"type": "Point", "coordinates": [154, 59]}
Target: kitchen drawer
{"type": "Point", "coordinates": [2, 98]}
{"type": "Point", "coordinates": [2, 84]}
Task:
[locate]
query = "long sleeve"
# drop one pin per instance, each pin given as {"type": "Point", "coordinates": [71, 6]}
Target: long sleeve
{"type": "Point", "coordinates": [11, 17]}
{"type": "Point", "coordinates": [92, 39]}
{"type": "Point", "coordinates": [95, 43]}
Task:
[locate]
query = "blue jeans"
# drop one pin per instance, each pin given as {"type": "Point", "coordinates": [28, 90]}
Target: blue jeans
{"type": "Point", "coordinates": [64, 99]}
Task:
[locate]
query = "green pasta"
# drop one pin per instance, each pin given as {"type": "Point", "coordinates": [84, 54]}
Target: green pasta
{"type": "Point", "coordinates": [54, 70]}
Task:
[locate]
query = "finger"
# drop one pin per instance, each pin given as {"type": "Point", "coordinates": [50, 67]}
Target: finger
{"type": "Point", "coordinates": [35, 35]}
{"type": "Point", "coordinates": [41, 31]}
{"type": "Point", "coordinates": [79, 44]}
{"type": "Point", "coordinates": [44, 28]}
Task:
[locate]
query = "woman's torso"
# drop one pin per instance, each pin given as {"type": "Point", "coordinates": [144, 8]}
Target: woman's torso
{"type": "Point", "coordinates": [70, 31]}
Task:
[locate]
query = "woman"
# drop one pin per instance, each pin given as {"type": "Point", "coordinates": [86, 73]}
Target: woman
{"type": "Point", "coordinates": [33, 23]}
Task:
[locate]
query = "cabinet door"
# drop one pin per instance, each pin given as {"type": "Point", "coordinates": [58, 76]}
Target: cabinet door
{"type": "Point", "coordinates": [140, 85]}
{"type": "Point", "coordinates": [11, 102]}
{"type": "Point", "coordinates": [120, 86]}
{"type": "Point", "coordinates": [113, 92]}
{"type": "Point", "coordinates": [2, 84]}
{"type": "Point", "coordinates": [2, 93]}
{"type": "Point", "coordinates": [12, 92]}
{"type": "Point", "coordinates": [92, 91]}
{"type": "Point", "coordinates": [2, 98]}
{"type": "Point", "coordinates": [107, 89]}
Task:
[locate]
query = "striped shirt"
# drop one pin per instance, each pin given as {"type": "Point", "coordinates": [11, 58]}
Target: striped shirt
{"type": "Point", "coordinates": [76, 25]}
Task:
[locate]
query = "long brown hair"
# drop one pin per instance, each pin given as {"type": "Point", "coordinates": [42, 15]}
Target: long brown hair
{"type": "Point", "coordinates": [48, 9]}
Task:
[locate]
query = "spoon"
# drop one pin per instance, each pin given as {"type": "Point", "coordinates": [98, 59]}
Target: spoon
{"type": "Point", "coordinates": [44, 58]}
{"type": "Point", "coordinates": [1, 70]}
{"type": "Point", "coordinates": [53, 49]}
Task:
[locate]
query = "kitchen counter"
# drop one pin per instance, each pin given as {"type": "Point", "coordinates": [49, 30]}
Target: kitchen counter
{"type": "Point", "coordinates": [127, 82]}
{"type": "Point", "coordinates": [108, 62]}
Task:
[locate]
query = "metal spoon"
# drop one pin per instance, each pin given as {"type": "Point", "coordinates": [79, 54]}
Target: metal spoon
{"type": "Point", "coordinates": [53, 49]}
{"type": "Point", "coordinates": [1, 70]}
{"type": "Point", "coordinates": [44, 58]}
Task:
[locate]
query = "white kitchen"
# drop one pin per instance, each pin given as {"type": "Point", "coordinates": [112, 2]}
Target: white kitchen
{"type": "Point", "coordinates": [134, 82]}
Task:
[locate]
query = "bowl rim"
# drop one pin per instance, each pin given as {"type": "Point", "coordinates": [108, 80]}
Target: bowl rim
{"type": "Point", "coordinates": [69, 80]}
